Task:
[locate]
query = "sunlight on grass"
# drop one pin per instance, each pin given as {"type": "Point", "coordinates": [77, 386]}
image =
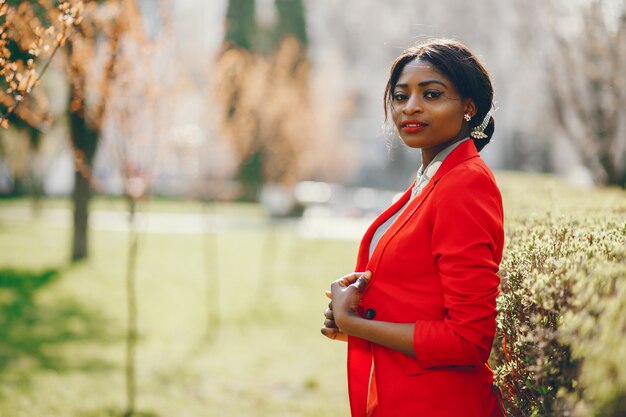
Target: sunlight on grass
{"type": "Point", "coordinates": [268, 357]}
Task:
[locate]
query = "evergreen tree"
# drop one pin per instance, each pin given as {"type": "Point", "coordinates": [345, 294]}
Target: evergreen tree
{"type": "Point", "coordinates": [245, 34]}
{"type": "Point", "coordinates": [291, 21]}
{"type": "Point", "coordinates": [241, 27]}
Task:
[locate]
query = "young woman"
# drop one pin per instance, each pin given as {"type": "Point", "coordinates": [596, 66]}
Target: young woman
{"type": "Point", "coordinates": [421, 319]}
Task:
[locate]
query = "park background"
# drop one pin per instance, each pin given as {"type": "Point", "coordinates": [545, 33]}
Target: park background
{"type": "Point", "coordinates": [181, 180]}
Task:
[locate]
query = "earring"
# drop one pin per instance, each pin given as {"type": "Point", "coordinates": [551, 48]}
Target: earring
{"type": "Point", "coordinates": [467, 117]}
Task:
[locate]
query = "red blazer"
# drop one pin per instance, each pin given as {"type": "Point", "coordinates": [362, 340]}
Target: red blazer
{"type": "Point", "coordinates": [436, 266]}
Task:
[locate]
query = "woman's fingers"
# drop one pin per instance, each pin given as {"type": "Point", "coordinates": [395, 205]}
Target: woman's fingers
{"type": "Point", "coordinates": [334, 334]}
{"type": "Point", "coordinates": [330, 324]}
{"type": "Point", "coordinates": [350, 278]}
{"type": "Point", "coordinates": [330, 319]}
{"type": "Point", "coordinates": [361, 282]}
{"type": "Point", "coordinates": [356, 279]}
{"type": "Point", "coordinates": [330, 333]}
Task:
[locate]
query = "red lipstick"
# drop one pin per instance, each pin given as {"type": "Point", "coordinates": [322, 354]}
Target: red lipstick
{"type": "Point", "coordinates": [412, 126]}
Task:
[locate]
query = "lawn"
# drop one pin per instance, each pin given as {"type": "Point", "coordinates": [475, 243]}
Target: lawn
{"type": "Point", "coordinates": [62, 346]}
{"type": "Point", "coordinates": [62, 329]}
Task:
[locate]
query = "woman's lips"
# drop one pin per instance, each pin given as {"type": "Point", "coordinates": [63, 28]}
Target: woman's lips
{"type": "Point", "coordinates": [412, 126]}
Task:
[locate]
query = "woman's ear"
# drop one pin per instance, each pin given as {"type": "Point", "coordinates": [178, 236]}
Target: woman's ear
{"type": "Point", "coordinates": [470, 107]}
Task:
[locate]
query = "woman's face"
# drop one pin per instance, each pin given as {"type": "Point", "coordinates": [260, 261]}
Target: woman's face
{"type": "Point", "coordinates": [426, 108]}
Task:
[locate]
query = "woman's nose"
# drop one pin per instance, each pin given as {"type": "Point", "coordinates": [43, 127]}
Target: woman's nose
{"type": "Point", "coordinates": [412, 105]}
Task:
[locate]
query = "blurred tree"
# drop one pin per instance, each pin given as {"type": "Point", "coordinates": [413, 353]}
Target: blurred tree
{"type": "Point", "coordinates": [241, 28]}
{"type": "Point", "coordinates": [137, 121]}
{"type": "Point", "coordinates": [92, 67]}
{"type": "Point", "coordinates": [31, 32]}
{"type": "Point", "coordinates": [241, 31]}
{"type": "Point", "coordinates": [86, 105]}
{"type": "Point", "coordinates": [262, 87]}
{"type": "Point", "coordinates": [587, 81]}
{"type": "Point", "coordinates": [288, 111]}
{"type": "Point", "coordinates": [291, 21]}
{"type": "Point", "coordinates": [33, 29]}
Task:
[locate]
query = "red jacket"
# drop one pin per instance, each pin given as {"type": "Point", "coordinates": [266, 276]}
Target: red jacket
{"type": "Point", "coordinates": [436, 266]}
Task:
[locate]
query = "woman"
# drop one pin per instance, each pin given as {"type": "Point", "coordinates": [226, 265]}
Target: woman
{"type": "Point", "coordinates": [420, 321]}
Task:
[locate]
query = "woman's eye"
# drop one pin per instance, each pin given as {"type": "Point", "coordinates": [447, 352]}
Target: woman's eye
{"type": "Point", "coordinates": [432, 94]}
{"type": "Point", "coordinates": [399, 96]}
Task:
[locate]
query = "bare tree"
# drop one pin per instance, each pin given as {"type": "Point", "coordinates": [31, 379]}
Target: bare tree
{"type": "Point", "coordinates": [587, 81]}
{"type": "Point", "coordinates": [86, 113]}
{"type": "Point", "coordinates": [136, 119]}
{"type": "Point", "coordinates": [92, 66]}
{"type": "Point", "coordinates": [265, 113]}
{"type": "Point", "coordinates": [261, 87]}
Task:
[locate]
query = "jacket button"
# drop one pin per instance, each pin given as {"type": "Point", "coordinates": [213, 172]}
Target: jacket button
{"type": "Point", "coordinates": [370, 313]}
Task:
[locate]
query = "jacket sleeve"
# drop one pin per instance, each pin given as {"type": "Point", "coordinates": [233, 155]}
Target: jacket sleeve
{"type": "Point", "coordinates": [466, 243]}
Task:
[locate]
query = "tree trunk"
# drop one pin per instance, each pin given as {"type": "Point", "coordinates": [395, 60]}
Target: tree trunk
{"type": "Point", "coordinates": [85, 141]}
{"type": "Point", "coordinates": [36, 182]}
{"type": "Point", "coordinates": [80, 198]}
{"type": "Point", "coordinates": [131, 305]}
{"type": "Point", "coordinates": [265, 292]}
{"type": "Point", "coordinates": [211, 258]}
{"type": "Point", "coordinates": [251, 176]}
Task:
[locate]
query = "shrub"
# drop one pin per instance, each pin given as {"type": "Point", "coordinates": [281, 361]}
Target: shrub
{"type": "Point", "coordinates": [561, 343]}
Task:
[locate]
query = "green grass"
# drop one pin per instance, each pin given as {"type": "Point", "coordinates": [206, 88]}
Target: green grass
{"type": "Point", "coordinates": [65, 353]}
{"type": "Point", "coordinates": [62, 326]}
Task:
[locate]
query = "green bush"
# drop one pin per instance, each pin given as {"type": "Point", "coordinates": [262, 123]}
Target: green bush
{"type": "Point", "coordinates": [561, 343]}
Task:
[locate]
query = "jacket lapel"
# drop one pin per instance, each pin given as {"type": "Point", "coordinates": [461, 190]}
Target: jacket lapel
{"type": "Point", "coordinates": [462, 153]}
{"type": "Point", "coordinates": [364, 248]}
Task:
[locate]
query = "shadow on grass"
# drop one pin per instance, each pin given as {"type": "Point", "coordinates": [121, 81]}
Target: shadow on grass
{"type": "Point", "coordinates": [31, 332]}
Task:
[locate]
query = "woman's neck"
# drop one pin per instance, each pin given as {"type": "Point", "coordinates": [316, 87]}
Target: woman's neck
{"type": "Point", "coordinates": [429, 154]}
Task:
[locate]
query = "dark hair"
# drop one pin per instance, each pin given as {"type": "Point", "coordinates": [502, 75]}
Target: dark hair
{"type": "Point", "coordinates": [461, 67]}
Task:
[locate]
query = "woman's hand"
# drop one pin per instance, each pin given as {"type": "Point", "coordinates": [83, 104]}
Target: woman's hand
{"type": "Point", "coordinates": [330, 329]}
{"type": "Point", "coordinates": [345, 294]}
{"type": "Point", "coordinates": [342, 318]}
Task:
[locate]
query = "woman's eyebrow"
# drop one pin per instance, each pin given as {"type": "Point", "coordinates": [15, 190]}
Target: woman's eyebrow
{"type": "Point", "coordinates": [423, 83]}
